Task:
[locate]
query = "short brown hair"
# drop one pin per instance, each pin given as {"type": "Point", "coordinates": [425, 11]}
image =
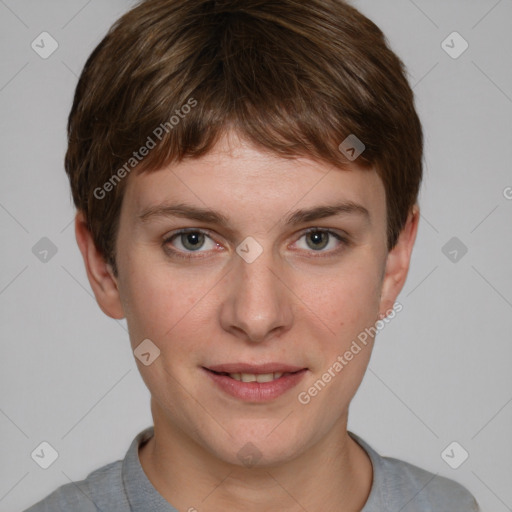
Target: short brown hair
{"type": "Point", "coordinates": [294, 77]}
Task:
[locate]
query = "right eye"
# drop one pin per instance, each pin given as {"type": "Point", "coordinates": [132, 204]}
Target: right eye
{"type": "Point", "coordinates": [187, 241]}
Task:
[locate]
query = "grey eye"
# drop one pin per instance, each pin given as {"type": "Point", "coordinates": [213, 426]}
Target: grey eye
{"type": "Point", "coordinates": [192, 241]}
{"type": "Point", "coordinates": [317, 240]}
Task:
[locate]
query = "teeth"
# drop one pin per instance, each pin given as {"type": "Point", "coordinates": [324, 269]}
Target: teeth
{"type": "Point", "coordinates": [251, 377]}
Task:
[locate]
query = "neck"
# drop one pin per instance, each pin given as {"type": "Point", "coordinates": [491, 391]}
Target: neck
{"type": "Point", "coordinates": [335, 474]}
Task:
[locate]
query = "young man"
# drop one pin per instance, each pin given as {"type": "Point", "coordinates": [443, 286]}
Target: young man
{"type": "Point", "coordinates": [246, 175]}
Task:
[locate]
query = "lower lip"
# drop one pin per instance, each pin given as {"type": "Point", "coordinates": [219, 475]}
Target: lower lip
{"type": "Point", "coordinates": [256, 391]}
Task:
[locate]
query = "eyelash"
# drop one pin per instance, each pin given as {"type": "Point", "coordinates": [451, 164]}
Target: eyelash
{"type": "Point", "coordinates": [345, 242]}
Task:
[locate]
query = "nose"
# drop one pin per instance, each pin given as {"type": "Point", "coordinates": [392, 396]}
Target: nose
{"type": "Point", "coordinates": [258, 303]}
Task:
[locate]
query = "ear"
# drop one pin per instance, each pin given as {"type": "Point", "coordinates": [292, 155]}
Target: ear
{"type": "Point", "coordinates": [100, 274]}
{"type": "Point", "coordinates": [397, 263]}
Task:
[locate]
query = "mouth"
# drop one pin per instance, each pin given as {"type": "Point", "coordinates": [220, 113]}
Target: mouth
{"type": "Point", "coordinates": [255, 383]}
{"type": "Point", "coordinates": [255, 377]}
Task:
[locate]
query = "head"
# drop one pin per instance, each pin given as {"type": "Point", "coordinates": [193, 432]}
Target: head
{"type": "Point", "coordinates": [233, 114]}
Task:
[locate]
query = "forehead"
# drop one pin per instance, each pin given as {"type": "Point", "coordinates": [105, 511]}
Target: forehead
{"type": "Point", "coordinates": [236, 177]}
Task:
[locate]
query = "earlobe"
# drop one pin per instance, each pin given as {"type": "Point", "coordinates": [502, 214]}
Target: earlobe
{"type": "Point", "coordinates": [99, 272]}
{"type": "Point", "coordinates": [397, 263]}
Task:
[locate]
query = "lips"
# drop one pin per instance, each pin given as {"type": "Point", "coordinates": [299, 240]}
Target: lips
{"type": "Point", "coordinates": [254, 377]}
{"type": "Point", "coordinates": [255, 383]}
{"type": "Point", "coordinates": [245, 372]}
{"type": "Point", "coordinates": [254, 368]}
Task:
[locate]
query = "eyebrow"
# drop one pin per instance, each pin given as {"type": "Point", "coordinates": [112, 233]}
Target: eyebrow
{"type": "Point", "coordinates": [210, 216]}
{"type": "Point", "coordinates": [321, 212]}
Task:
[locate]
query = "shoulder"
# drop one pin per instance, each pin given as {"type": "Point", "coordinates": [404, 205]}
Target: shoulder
{"type": "Point", "coordinates": [422, 490]}
{"type": "Point", "coordinates": [102, 487]}
{"type": "Point", "coordinates": [399, 485]}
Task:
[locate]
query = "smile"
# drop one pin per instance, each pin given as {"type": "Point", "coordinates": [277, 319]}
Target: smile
{"type": "Point", "coordinates": [255, 377]}
{"type": "Point", "coordinates": [255, 387]}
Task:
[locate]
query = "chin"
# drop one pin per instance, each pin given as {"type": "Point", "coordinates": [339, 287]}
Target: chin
{"type": "Point", "coordinates": [261, 445]}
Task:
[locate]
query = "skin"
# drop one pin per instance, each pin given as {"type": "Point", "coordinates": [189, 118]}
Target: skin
{"type": "Point", "coordinates": [294, 304]}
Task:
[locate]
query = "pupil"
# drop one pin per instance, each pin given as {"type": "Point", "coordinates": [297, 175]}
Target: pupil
{"type": "Point", "coordinates": [192, 241]}
{"type": "Point", "coordinates": [318, 238]}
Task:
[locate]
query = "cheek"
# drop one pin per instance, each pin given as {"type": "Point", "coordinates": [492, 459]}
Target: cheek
{"type": "Point", "coordinates": [348, 304]}
{"type": "Point", "coordinates": [161, 304]}
{"type": "Point", "coordinates": [167, 307]}
{"type": "Point", "coordinates": [344, 302]}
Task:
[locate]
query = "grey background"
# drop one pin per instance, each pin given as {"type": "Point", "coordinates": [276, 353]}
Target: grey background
{"type": "Point", "coordinates": [441, 369]}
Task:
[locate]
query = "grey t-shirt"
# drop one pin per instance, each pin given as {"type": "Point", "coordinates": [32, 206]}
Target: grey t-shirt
{"type": "Point", "coordinates": [122, 486]}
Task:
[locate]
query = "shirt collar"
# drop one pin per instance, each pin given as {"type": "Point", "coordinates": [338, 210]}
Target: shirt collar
{"type": "Point", "coordinates": [375, 499]}
{"type": "Point", "coordinates": [141, 493]}
{"type": "Point", "coordinates": [143, 496]}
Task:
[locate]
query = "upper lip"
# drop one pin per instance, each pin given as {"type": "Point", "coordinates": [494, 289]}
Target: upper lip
{"type": "Point", "coordinates": [254, 368]}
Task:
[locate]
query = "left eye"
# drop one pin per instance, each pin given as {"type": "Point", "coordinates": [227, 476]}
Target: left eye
{"type": "Point", "coordinates": [318, 240]}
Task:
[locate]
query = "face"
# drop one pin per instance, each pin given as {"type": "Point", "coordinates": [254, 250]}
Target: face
{"type": "Point", "coordinates": [244, 265]}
